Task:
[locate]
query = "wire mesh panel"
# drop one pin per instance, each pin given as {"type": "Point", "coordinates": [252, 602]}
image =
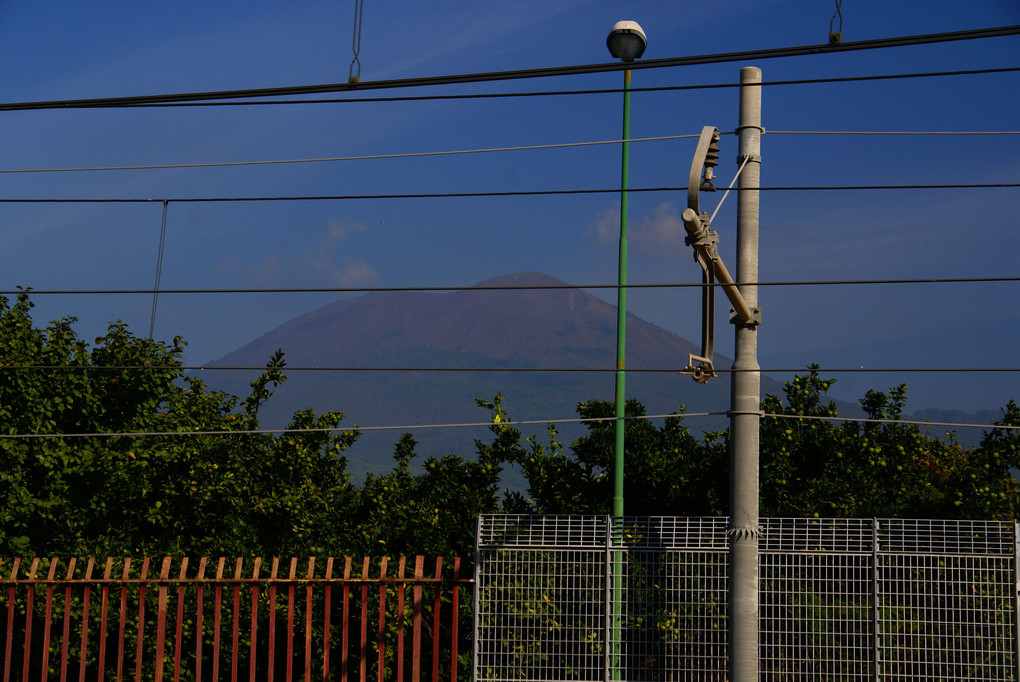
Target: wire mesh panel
{"type": "Point", "coordinates": [577, 598]}
{"type": "Point", "coordinates": [947, 618]}
{"type": "Point", "coordinates": [934, 536]}
{"type": "Point", "coordinates": [815, 617]}
{"type": "Point", "coordinates": [816, 600]}
{"type": "Point", "coordinates": [541, 609]}
{"type": "Point", "coordinates": [673, 601]}
{"type": "Point", "coordinates": [948, 596]}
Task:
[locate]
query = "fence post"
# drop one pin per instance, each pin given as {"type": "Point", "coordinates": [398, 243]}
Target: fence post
{"type": "Point", "coordinates": [1016, 599]}
{"type": "Point", "coordinates": [610, 608]}
{"type": "Point", "coordinates": [876, 593]}
{"type": "Point", "coordinates": [476, 601]}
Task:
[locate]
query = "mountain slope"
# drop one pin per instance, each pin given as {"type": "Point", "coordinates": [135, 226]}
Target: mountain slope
{"type": "Point", "coordinates": [478, 328]}
{"type": "Point", "coordinates": [542, 327]}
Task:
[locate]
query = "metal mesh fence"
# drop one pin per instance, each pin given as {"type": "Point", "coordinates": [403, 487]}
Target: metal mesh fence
{"type": "Point", "coordinates": [581, 598]}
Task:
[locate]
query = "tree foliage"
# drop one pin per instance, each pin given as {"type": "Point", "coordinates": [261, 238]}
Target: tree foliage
{"type": "Point", "coordinates": [110, 448]}
{"type": "Point", "coordinates": [810, 465]}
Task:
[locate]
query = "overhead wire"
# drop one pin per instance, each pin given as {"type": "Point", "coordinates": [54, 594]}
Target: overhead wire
{"type": "Point", "coordinates": [893, 132]}
{"type": "Point", "coordinates": [485, 424]}
{"type": "Point", "coordinates": [406, 427]}
{"type": "Point", "coordinates": [509, 193]}
{"type": "Point", "coordinates": [419, 368]}
{"type": "Point", "coordinates": [587, 91]}
{"type": "Point", "coordinates": [912, 422]}
{"type": "Point", "coordinates": [718, 58]}
{"type": "Point", "coordinates": [485, 150]}
{"type": "Point", "coordinates": [364, 157]}
{"type": "Point", "coordinates": [515, 287]}
{"type": "Point", "coordinates": [159, 269]}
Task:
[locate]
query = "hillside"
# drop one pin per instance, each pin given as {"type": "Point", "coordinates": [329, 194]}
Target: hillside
{"type": "Point", "coordinates": [477, 328]}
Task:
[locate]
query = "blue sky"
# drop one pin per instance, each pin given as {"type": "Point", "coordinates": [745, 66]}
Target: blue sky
{"type": "Point", "coordinates": [53, 51]}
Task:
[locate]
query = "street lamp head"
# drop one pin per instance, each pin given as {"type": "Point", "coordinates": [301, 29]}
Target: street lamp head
{"type": "Point", "coordinates": [626, 41]}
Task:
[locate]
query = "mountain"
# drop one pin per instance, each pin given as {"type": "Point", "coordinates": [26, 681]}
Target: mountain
{"type": "Point", "coordinates": [482, 327]}
{"type": "Point", "coordinates": [968, 437]}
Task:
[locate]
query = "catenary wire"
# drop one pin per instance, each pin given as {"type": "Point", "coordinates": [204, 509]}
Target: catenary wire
{"type": "Point", "coordinates": [475, 195]}
{"type": "Point", "coordinates": [516, 287]}
{"type": "Point", "coordinates": [893, 132]}
{"type": "Point", "coordinates": [406, 427]}
{"type": "Point", "coordinates": [370, 157]}
{"type": "Point", "coordinates": [521, 422]}
{"type": "Point", "coordinates": [591, 91]}
{"type": "Point", "coordinates": [579, 370]}
{"type": "Point", "coordinates": [454, 152]}
{"type": "Point", "coordinates": [1000, 427]}
{"type": "Point", "coordinates": [159, 269]}
{"type": "Point", "coordinates": [771, 53]}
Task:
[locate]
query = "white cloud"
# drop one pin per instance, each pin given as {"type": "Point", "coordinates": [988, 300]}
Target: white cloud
{"type": "Point", "coordinates": [605, 228]}
{"type": "Point", "coordinates": [661, 231]}
{"type": "Point", "coordinates": [322, 263]}
{"type": "Point", "coordinates": [337, 231]}
{"type": "Point", "coordinates": [356, 273]}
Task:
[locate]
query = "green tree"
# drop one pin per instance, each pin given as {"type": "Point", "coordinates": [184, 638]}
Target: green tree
{"type": "Point", "coordinates": [149, 483]}
{"type": "Point", "coordinates": [667, 470]}
{"type": "Point", "coordinates": [434, 511]}
{"type": "Point", "coordinates": [877, 466]}
{"type": "Point", "coordinates": [810, 464]}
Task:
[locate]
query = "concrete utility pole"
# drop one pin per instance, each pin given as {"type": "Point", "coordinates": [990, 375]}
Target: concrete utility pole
{"type": "Point", "coordinates": [745, 397]}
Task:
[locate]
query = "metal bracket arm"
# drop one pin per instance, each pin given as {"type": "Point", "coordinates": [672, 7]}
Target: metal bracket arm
{"type": "Point", "coordinates": [705, 242]}
{"type": "Point", "coordinates": [701, 372]}
{"type": "Point", "coordinates": [693, 223]}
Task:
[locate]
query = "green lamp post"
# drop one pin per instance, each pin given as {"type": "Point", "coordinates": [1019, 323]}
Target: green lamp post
{"type": "Point", "coordinates": [626, 42]}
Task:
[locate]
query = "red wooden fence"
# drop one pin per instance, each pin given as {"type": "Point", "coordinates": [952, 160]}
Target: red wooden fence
{"type": "Point", "coordinates": [211, 619]}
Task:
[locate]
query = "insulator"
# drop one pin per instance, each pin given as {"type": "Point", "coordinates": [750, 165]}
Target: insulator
{"type": "Point", "coordinates": [712, 157]}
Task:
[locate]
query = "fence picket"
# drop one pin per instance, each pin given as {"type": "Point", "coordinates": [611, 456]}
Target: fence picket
{"type": "Point", "coordinates": [217, 602]}
{"type": "Point", "coordinates": [199, 612]}
{"type": "Point", "coordinates": [164, 575]}
{"type": "Point", "coordinates": [344, 659]}
{"type": "Point", "coordinates": [308, 620]}
{"type": "Point", "coordinates": [326, 619]}
{"type": "Point", "coordinates": [9, 641]}
{"type": "Point", "coordinates": [179, 629]}
{"type": "Point", "coordinates": [382, 618]}
{"type": "Point", "coordinates": [139, 652]}
{"type": "Point", "coordinates": [419, 562]}
{"type": "Point", "coordinates": [400, 620]}
{"type": "Point", "coordinates": [103, 613]}
{"type": "Point", "coordinates": [253, 649]}
{"type": "Point", "coordinates": [455, 621]}
{"type": "Point", "coordinates": [436, 612]}
{"type": "Point", "coordinates": [48, 621]}
{"type": "Point", "coordinates": [363, 642]}
{"type": "Point", "coordinates": [29, 610]}
{"type": "Point", "coordinates": [66, 632]}
{"type": "Point", "coordinates": [237, 621]}
{"type": "Point", "coordinates": [290, 620]}
{"type": "Point", "coordinates": [272, 619]}
{"type": "Point", "coordinates": [85, 618]}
